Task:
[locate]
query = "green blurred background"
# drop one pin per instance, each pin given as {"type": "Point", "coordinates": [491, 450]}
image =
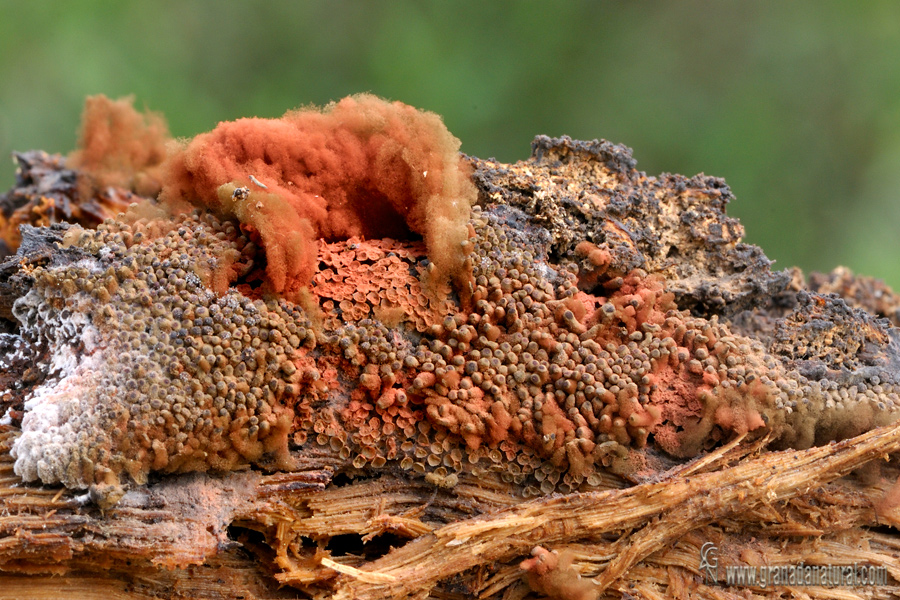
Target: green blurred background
{"type": "Point", "coordinates": [796, 105]}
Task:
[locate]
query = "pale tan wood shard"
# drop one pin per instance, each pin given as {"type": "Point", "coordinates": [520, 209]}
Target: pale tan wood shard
{"type": "Point", "coordinates": [659, 513]}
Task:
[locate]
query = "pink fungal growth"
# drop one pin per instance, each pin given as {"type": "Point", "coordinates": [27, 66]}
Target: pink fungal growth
{"type": "Point", "coordinates": [359, 167]}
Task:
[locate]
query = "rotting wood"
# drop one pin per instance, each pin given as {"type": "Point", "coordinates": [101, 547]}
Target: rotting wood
{"type": "Point", "coordinates": [659, 514]}
{"type": "Point", "coordinates": [686, 456]}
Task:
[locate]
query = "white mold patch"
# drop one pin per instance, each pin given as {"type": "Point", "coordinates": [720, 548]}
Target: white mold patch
{"type": "Point", "coordinates": [48, 436]}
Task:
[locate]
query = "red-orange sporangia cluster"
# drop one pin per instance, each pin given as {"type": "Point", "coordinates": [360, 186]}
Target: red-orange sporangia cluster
{"type": "Point", "coordinates": [306, 317]}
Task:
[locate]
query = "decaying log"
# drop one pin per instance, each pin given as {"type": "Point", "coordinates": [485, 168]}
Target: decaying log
{"type": "Point", "coordinates": [601, 381]}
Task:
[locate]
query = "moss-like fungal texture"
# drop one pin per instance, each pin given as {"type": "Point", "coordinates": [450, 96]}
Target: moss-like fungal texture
{"type": "Point", "coordinates": [360, 167]}
{"type": "Point", "coordinates": [603, 317]}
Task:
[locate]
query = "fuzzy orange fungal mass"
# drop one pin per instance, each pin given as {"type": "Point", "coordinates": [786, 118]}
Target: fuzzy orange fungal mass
{"type": "Point", "coordinates": [359, 167]}
{"type": "Point", "coordinates": [119, 147]}
{"type": "Point", "coordinates": [611, 317]}
{"type": "Point", "coordinates": [609, 326]}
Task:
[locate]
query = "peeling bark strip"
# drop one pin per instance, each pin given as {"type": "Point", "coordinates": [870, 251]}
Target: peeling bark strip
{"type": "Point", "coordinates": [610, 378]}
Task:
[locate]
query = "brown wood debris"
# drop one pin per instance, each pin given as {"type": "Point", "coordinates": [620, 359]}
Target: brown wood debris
{"type": "Point", "coordinates": [759, 507]}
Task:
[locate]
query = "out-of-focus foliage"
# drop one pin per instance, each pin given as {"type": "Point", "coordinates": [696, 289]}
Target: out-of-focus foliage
{"type": "Point", "coordinates": [796, 104]}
